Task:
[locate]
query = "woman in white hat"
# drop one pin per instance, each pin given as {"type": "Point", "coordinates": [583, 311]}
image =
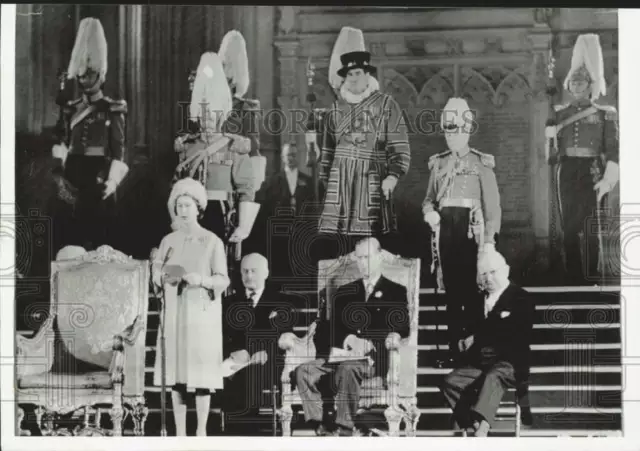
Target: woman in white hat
{"type": "Point", "coordinates": [191, 267]}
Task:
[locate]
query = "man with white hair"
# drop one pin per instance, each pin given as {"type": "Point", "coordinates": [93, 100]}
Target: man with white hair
{"type": "Point", "coordinates": [254, 319]}
{"type": "Point", "coordinates": [496, 353]}
{"type": "Point", "coordinates": [365, 146]}
{"type": "Point", "coordinates": [462, 207]}
{"type": "Point", "coordinates": [585, 145]}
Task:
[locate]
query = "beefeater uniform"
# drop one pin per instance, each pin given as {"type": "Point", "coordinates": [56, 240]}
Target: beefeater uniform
{"type": "Point", "coordinates": [93, 150]}
{"type": "Point", "coordinates": [464, 191]}
{"type": "Point", "coordinates": [363, 143]}
{"type": "Point", "coordinates": [586, 148]}
{"type": "Point", "coordinates": [219, 162]}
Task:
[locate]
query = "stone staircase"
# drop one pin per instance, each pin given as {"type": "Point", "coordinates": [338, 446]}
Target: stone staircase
{"type": "Point", "coordinates": [576, 378]}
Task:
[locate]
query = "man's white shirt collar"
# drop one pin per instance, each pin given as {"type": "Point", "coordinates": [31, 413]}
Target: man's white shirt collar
{"type": "Point", "coordinates": [372, 282]}
{"type": "Point", "coordinates": [491, 299]}
{"type": "Point", "coordinates": [257, 296]}
{"type": "Point", "coordinates": [292, 178]}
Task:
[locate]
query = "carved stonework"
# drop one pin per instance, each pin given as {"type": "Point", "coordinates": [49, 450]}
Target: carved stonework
{"type": "Point", "coordinates": [322, 89]}
{"type": "Point", "coordinates": [542, 16]}
{"type": "Point", "coordinates": [437, 89]}
{"type": "Point", "coordinates": [493, 44]}
{"type": "Point", "coordinates": [399, 88]}
{"type": "Point", "coordinates": [496, 85]}
{"type": "Point", "coordinates": [378, 49]}
{"type": "Point", "coordinates": [455, 47]}
{"type": "Point", "coordinates": [287, 19]}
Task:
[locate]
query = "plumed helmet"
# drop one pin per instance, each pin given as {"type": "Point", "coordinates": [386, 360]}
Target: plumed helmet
{"type": "Point", "coordinates": [89, 50]}
{"type": "Point", "coordinates": [211, 97]}
{"type": "Point", "coordinates": [587, 63]}
{"type": "Point", "coordinates": [233, 52]}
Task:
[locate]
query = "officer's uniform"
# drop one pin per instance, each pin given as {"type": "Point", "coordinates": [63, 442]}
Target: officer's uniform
{"type": "Point", "coordinates": [95, 135]}
{"type": "Point", "coordinates": [585, 145]}
{"type": "Point", "coordinates": [243, 121]}
{"type": "Point", "coordinates": [228, 178]}
{"type": "Point", "coordinates": [464, 191]}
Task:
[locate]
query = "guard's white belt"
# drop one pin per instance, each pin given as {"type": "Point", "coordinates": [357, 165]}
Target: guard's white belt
{"type": "Point", "coordinates": [458, 202]}
{"type": "Point", "coordinates": [217, 195]}
{"type": "Point", "coordinates": [583, 152]}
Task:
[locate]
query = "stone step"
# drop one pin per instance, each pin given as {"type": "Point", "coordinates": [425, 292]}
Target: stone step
{"type": "Point", "coordinates": [543, 396]}
{"type": "Point", "coordinates": [540, 377]}
{"type": "Point", "coordinates": [543, 334]}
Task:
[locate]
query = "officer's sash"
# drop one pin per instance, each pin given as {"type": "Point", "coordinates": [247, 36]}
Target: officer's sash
{"type": "Point", "coordinates": [576, 117]}
{"type": "Point", "coordinates": [80, 116]}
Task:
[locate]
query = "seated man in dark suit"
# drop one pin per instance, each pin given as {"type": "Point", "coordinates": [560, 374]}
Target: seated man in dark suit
{"type": "Point", "coordinates": [254, 319]}
{"type": "Point", "coordinates": [366, 311]}
{"type": "Point", "coordinates": [496, 355]}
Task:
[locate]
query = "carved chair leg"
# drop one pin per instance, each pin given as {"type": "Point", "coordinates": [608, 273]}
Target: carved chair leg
{"type": "Point", "coordinates": [394, 417]}
{"type": "Point", "coordinates": [19, 419]}
{"type": "Point", "coordinates": [286, 415]}
{"type": "Point", "coordinates": [139, 415]}
{"type": "Point", "coordinates": [411, 419]}
{"type": "Point", "coordinates": [117, 411]}
{"type": "Point", "coordinates": [44, 420]}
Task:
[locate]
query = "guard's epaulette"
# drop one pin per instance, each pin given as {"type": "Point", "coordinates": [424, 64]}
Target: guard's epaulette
{"type": "Point", "coordinates": [560, 107]}
{"type": "Point", "coordinates": [117, 106]}
{"type": "Point", "coordinates": [486, 159]}
{"type": "Point", "coordinates": [433, 158]}
{"type": "Point", "coordinates": [610, 112]}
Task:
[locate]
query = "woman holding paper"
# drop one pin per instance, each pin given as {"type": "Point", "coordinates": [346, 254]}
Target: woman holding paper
{"type": "Point", "coordinates": [191, 268]}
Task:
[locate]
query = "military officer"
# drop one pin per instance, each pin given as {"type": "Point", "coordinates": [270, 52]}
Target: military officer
{"type": "Point", "coordinates": [93, 148]}
{"type": "Point", "coordinates": [462, 206]}
{"type": "Point", "coordinates": [585, 146]}
{"type": "Point", "coordinates": [216, 159]}
{"type": "Point", "coordinates": [243, 120]}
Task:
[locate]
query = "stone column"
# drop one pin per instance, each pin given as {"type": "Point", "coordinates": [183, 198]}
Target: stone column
{"type": "Point", "coordinates": [288, 98]}
{"type": "Point", "coordinates": [539, 170]}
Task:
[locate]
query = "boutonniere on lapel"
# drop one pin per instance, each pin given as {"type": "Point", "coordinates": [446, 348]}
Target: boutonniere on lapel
{"type": "Point", "coordinates": [273, 314]}
{"type": "Point", "coordinates": [378, 294]}
{"type": "Point", "coordinates": [504, 314]}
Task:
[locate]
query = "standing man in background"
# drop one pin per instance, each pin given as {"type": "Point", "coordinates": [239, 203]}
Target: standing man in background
{"type": "Point", "coordinates": [586, 148]}
{"type": "Point", "coordinates": [93, 151]}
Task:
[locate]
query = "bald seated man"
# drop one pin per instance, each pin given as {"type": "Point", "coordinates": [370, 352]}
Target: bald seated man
{"type": "Point", "coordinates": [496, 353]}
{"type": "Point", "coordinates": [254, 319]}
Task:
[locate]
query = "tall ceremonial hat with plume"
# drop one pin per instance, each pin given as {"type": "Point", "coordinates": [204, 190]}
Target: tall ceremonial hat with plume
{"type": "Point", "coordinates": [89, 50]}
{"type": "Point", "coordinates": [348, 53]}
{"type": "Point", "coordinates": [211, 97]}
{"type": "Point", "coordinates": [233, 52]}
{"type": "Point", "coordinates": [587, 63]}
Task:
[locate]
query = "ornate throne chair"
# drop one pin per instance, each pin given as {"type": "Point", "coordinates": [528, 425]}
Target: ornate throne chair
{"type": "Point", "coordinates": [399, 391]}
{"type": "Point", "coordinates": [90, 351]}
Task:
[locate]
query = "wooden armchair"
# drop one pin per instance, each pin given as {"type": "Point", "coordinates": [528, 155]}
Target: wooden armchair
{"type": "Point", "coordinates": [399, 390]}
{"type": "Point", "coordinates": [91, 349]}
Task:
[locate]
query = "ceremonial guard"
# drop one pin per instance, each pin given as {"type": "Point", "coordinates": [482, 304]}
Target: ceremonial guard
{"type": "Point", "coordinates": [365, 148]}
{"type": "Point", "coordinates": [92, 151]}
{"type": "Point", "coordinates": [219, 161]}
{"type": "Point", "coordinates": [462, 207]}
{"type": "Point", "coordinates": [584, 144]}
{"type": "Point", "coordinates": [244, 119]}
